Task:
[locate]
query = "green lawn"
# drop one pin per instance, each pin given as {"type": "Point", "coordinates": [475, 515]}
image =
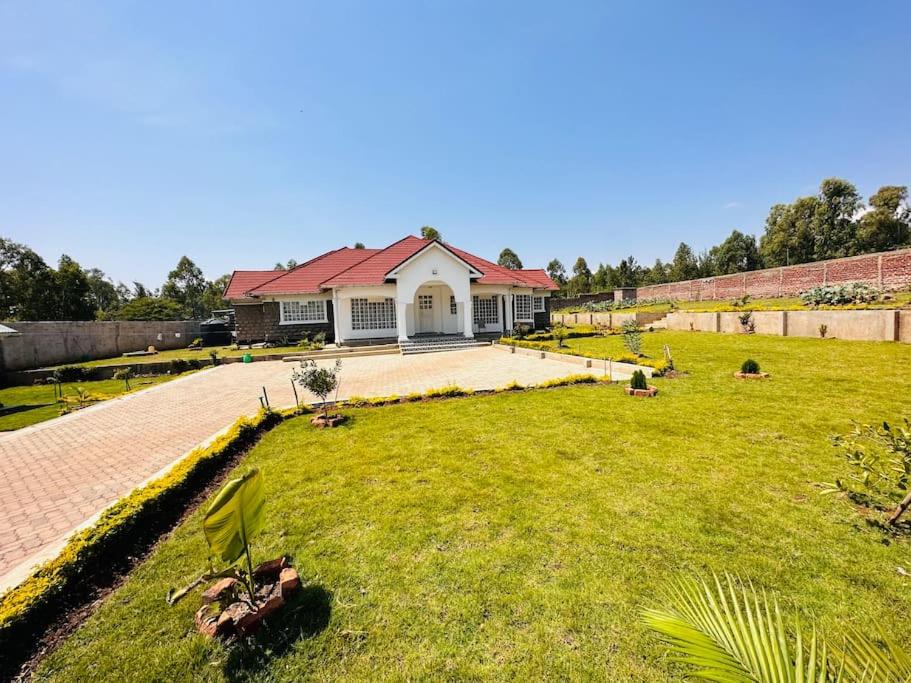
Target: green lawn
{"type": "Point", "coordinates": [517, 536]}
{"type": "Point", "coordinates": [899, 300]}
{"type": "Point", "coordinates": [187, 354]}
{"type": "Point", "coordinates": [42, 397]}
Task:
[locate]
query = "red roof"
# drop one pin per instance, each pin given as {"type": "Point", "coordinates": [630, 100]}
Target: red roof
{"type": "Point", "coordinates": [364, 267]}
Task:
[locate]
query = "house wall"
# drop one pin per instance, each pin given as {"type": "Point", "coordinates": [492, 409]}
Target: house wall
{"type": "Point", "coordinates": [39, 344]}
{"type": "Point", "coordinates": [262, 322]}
{"type": "Point", "coordinates": [342, 299]}
{"type": "Point", "coordinates": [885, 270]}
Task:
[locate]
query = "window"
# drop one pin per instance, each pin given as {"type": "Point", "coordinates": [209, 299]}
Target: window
{"type": "Point", "coordinates": [425, 302]}
{"type": "Point", "coordinates": [453, 309]}
{"type": "Point", "coordinates": [308, 311]}
{"type": "Point", "coordinates": [523, 307]}
{"type": "Point", "coordinates": [485, 310]}
{"type": "Point", "coordinates": [539, 304]}
{"type": "Point", "coordinates": [378, 314]}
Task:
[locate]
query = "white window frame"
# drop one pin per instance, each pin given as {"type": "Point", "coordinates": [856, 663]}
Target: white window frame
{"type": "Point", "coordinates": [487, 313]}
{"type": "Point", "coordinates": [373, 313]}
{"type": "Point", "coordinates": [525, 311]}
{"type": "Point", "coordinates": [302, 316]}
{"type": "Point", "coordinates": [541, 308]}
{"type": "Point", "coordinates": [453, 307]}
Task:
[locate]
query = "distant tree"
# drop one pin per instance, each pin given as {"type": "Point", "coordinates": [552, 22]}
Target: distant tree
{"type": "Point", "coordinates": [601, 278]}
{"type": "Point", "coordinates": [279, 266]}
{"type": "Point", "coordinates": [705, 265]}
{"type": "Point", "coordinates": [285, 266]}
{"type": "Point", "coordinates": [359, 245]}
{"type": "Point", "coordinates": [27, 286]}
{"type": "Point", "coordinates": [430, 233]}
{"type": "Point", "coordinates": [656, 275]}
{"type": "Point", "coordinates": [582, 276]}
{"type": "Point", "coordinates": [72, 293]}
{"type": "Point", "coordinates": [508, 259]}
{"type": "Point", "coordinates": [557, 272]}
{"type": "Point", "coordinates": [186, 285]}
{"type": "Point", "coordinates": [140, 291]}
{"type": "Point", "coordinates": [789, 233]}
{"type": "Point", "coordinates": [833, 225]}
{"type": "Point", "coordinates": [291, 264]}
{"type": "Point", "coordinates": [684, 265]}
{"type": "Point", "coordinates": [103, 294]}
{"type": "Point", "coordinates": [888, 224]}
{"type": "Point", "coordinates": [628, 272]}
{"type": "Point", "coordinates": [152, 308]}
{"type": "Point", "coordinates": [212, 299]}
{"type": "Point", "coordinates": [738, 253]}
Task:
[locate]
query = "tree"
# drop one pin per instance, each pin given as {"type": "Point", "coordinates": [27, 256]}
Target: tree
{"type": "Point", "coordinates": [359, 245]}
{"type": "Point", "coordinates": [508, 259]}
{"type": "Point", "coordinates": [213, 299]}
{"type": "Point", "coordinates": [833, 225]}
{"type": "Point", "coordinates": [684, 265]}
{"type": "Point", "coordinates": [582, 276]}
{"type": "Point", "coordinates": [103, 294]}
{"type": "Point", "coordinates": [140, 291]}
{"type": "Point", "coordinates": [789, 233]}
{"type": "Point", "coordinates": [186, 285]}
{"type": "Point", "coordinates": [26, 284]}
{"type": "Point", "coordinates": [430, 233]}
{"type": "Point", "coordinates": [285, 266]}
{"type": "Point", "coordinates": [151, 308]}
{"type": "Point", "coordinates": [656, 275]}
{"type": "Point", "coordinates": [738, 253]}
{"type": "Point", "coordinates": [556, 272]}
{"type": "Point", "coordinates": [601, 279]}
{"type": "Point", "coordinates": [72, 293]}
{"type": "Point", "coordinates": [888, 224]}
{"type": "Point", "coordinates": [628, 272]}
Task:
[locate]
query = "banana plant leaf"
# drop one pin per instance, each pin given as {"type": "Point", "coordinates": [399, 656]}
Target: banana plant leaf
{"type": "Point", "coordinates": [235, 516]}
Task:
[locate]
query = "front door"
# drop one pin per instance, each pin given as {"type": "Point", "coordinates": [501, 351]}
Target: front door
{"type": "Point", "coordinates": [425, 313]}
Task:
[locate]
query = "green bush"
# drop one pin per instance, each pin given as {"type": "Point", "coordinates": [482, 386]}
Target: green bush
{"type": "Point", "coordinates": [74, 373]}
{"type": "Point", "coordinates": [749, 367]}
{"type": "Point", "coordinates": [638, 381]}
{"type": "Point", "coordinates": [840, 295]}
{"type": "Point", "coordinates": [632, 336]}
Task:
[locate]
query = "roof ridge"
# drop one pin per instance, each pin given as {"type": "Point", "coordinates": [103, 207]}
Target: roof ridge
{"type": "Point", "coordinates": [283, 273]}
{"type": "Point", "coordinates": [362, 261]}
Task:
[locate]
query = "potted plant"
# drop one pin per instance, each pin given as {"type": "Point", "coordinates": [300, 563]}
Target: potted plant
{"type": "Point", "coordinates": [321, 382]}
{"type": "Point", "coordinates": [749, 369]}
{"type": "Point", "coordinates": [638, 386]}
{"type": "Point", "coordinates": [242, 596]}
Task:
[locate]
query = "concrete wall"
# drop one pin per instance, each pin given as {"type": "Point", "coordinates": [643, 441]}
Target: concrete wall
{"type": "Point", "coordinates": [605, 319]}
{"type": "Point", "coordinates": [886, 270]}
{"type": "Point", "coordinates": [39, 344]}
{"type": "Point", "coordinates": [877, 325]}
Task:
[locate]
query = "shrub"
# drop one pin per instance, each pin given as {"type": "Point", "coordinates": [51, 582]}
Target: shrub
{"type": "Point", "coordinates": [637, 380]}
{"type": "Point", "coordinates": [823, 329]}
{"type": "Point", "coordinates": [749, 367]}
{"type": "Point", "coordinates": [840, 295]}
{"type": "Point", "coordinates": [632, 336]}
{"type": "Point", "coordinates": [73, 373]}
{"type": "Point", "coordinates": [448, 391]}
{"type": "Point", "coordinates": [318, 381]}
{"type": "Point", "coordinates": [513, 386]}
{"type": "Point", "coordinates": [178, 365]}
{"type": "Point", "coordinates": [746, 322]}
{"type": "Point", "coordinates": [559, 334]}
{"type": "Point", "coordinates": [879, 461]}
{"type": "Point", "coordinates": [197, 342]}
{"type": "Point", "coordinates": [124, 374]}
{"type": "Point", "coordinates": [567, 381]}
{"type": "Point", "coordinates": [319, 340]}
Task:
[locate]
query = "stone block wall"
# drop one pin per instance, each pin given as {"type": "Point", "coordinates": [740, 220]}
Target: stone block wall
{"type": "Point", "coordinates": [261, 322]}
{"type": "Point", "coordinates": [888, 270]}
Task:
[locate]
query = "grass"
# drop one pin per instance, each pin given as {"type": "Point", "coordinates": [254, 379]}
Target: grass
{"type": "Point", "coordinates": [187, 354]}
{"type": "Point", "coordinates": [899, 300]}
{"type": "Point", "coordinates": [517, 536]}
{"type": "Point", "coordinates": [42, 398]}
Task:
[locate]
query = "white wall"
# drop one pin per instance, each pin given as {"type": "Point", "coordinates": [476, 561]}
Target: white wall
{"type": "Point", "coordinates": [342, 306]}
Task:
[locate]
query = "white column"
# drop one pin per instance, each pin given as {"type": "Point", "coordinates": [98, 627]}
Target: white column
{"type": "Point", "coordinates": [336, 316]}
{"type": "Point", "coordinates": [509, 320]}
{"type": "Point", "coordinates": [401, 322]}
{"type": "Point", "coordinates": [467, 320]}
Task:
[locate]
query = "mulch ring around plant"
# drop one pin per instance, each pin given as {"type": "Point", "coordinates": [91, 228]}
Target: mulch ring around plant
{"type": "Point", "coordinates": [322, 421]}
{"type": "Point", "coordinates": [752, 375]}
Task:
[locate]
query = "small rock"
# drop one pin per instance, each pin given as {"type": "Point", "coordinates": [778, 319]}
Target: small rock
{"type": "Point", "coordinates": [271, 569]}
{"type": "Point", "coordinates": [207, 620]}
{"type": "Point", "coordinates": [290, 581]}
{"type": "Point", "coordinates": [219, 590]}
{"type": "Point", "coordinates": [250, 623]}
{"type": "Point", "coordinates": [234, 614]}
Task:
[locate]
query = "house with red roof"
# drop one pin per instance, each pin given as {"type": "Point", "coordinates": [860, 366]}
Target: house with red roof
{"type": "Point", "coordinates": [414, 288]}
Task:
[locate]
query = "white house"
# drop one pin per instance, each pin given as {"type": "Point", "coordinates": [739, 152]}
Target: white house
{"type": "Point", "coordinates": [411, 288]}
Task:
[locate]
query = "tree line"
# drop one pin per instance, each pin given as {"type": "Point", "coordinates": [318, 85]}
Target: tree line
{"type": "Point", "coordinates": [833, 223]}
{"type": "Point", "coordinates": [32, 290]}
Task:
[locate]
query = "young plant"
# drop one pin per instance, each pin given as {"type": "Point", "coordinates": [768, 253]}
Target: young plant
{"type": "Point", "coordinates": [749, 367]}
{"type": "Point", "coordinates": [319, 381]}
{"type": "Point", "coordinates": [213, 356]}
{"type": "Point", "coordinates": [879, 458]}
{"type": "Point", "coordinates": [319, 340]}
{"type": "Point", "coordinates": [236, 515]}
{"type": "Point", "coordinates": [124, 374]}
{"type": "Point", "coordinates": [638, 381]}
{"type": "Point", "coordinates": [822, 330]}
{"type": "Point", "coordinates": [732, 632]}
{"type": "Point", "coordinates": [746, 322]}
{"type": "Point", "coordinates": [559, 334]}
{"type": "Point", "coordinates": [632, 336]}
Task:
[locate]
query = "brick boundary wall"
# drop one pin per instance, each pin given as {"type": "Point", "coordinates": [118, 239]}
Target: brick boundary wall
{"type": "Point", "coordinates": [886, 270]}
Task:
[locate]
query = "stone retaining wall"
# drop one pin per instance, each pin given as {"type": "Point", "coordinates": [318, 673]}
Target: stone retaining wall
{"type": "Point", "coordinates": [39, 344]}
{"type": "Point", "coordinates": [888, 270]}
{"type": "Point", "coordinates": [869, 325]}
{"type": "Point", "coordinates": [613, 319]}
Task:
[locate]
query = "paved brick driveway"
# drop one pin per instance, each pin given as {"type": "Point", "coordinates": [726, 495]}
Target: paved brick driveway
{"type": "Point", "coordinates": [57, 475]}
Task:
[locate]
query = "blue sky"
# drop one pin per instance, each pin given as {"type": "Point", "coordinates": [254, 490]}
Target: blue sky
{"type": "Point", "coordinates": [240, 134]}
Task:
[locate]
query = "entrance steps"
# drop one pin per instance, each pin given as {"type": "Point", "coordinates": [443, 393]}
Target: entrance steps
{"type": "Point", "coordinates": [435, 344]}
{"type": "Point", "coordinates": [344, 352]}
